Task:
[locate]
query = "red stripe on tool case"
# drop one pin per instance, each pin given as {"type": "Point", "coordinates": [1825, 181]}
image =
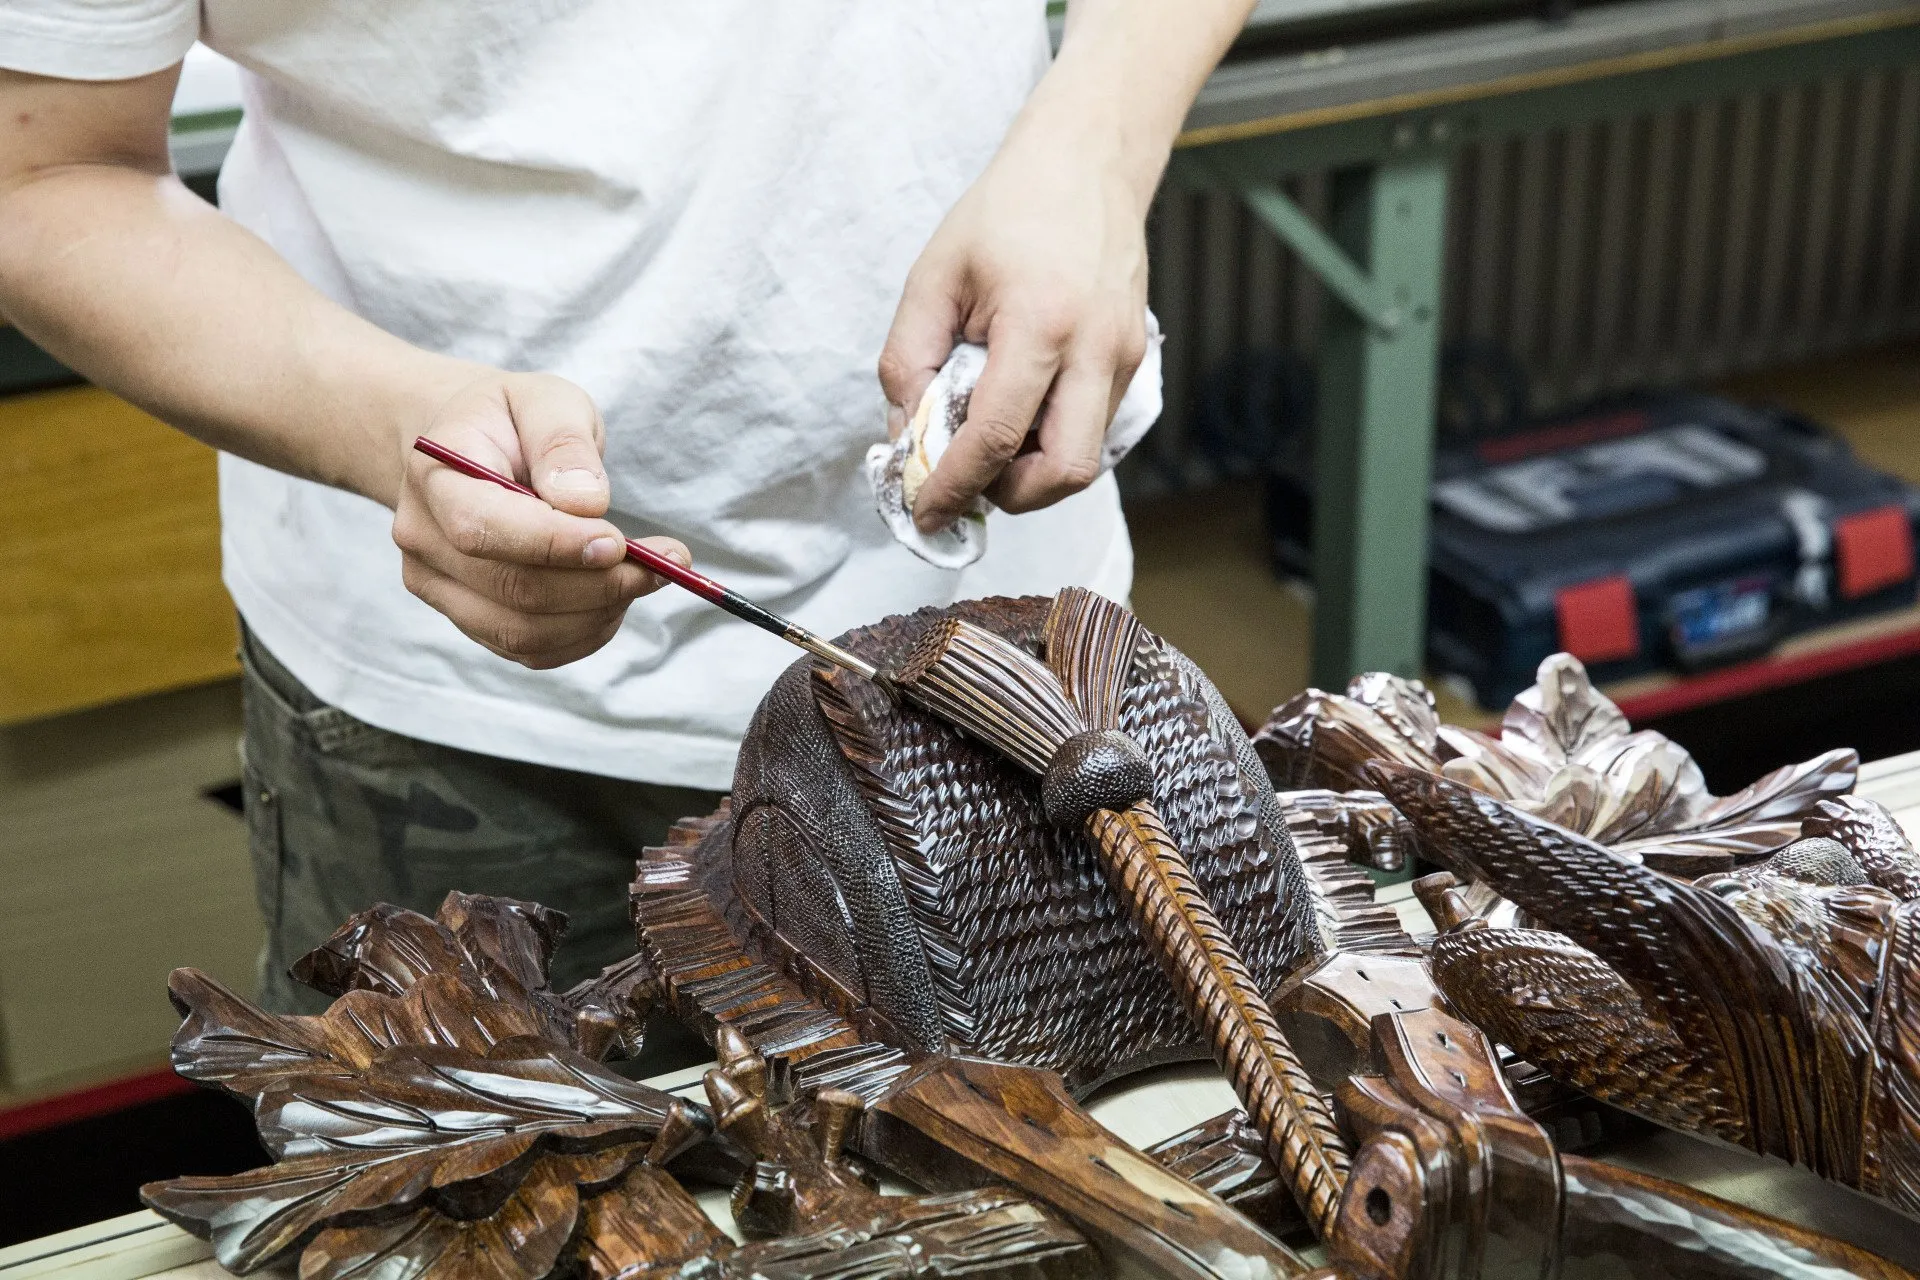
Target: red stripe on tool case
{"type": "Point", "coordinates": [1872, 550]}
{"type": "Point", "coordinates": [1599, 620]}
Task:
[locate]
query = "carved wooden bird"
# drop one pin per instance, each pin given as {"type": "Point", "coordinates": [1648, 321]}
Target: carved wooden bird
{"type": "Point", "coordinates": [1773, 1008]}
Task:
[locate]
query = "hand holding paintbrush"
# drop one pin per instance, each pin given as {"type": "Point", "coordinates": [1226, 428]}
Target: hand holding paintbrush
{"type": "Point", "coordinates": [698, 583]}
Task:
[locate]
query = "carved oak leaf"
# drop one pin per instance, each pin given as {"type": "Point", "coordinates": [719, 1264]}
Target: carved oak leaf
{"type": "Point", "coordinates": [224, 1040]}
{"type": "Point", "coordinates": [524, 1236]}
{"type": "Point", "coordinates": [438, 1090]}
{"type": "Point", "coordinates": [1564, 752]}
{"type": "Point", "coordinates": [1760, 1007]}
{"type": "Point", "coordinates": [417, 1121]}
{"type": "Point", "coordinates": [498, 947]}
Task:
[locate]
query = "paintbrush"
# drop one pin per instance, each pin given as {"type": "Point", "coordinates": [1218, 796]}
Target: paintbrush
{"type": "Point", "coordinates": [1061, 720]}
{"type": "Point", "coordinates": [698, 583]}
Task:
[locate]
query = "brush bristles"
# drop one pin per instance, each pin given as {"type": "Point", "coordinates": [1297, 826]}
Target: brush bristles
{"type": "Point", "coordinates": [990, 688]}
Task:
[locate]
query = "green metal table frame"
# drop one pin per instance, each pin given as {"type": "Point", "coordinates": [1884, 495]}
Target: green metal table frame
{"type": "Point", "coordinates": [1381, 259]}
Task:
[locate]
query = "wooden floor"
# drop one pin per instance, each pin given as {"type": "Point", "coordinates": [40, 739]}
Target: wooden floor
{"type": "Point", "coordinates": [1202, 579]}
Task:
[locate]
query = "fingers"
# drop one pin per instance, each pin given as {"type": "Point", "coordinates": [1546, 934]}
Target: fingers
{"type": "Point", "coordinates": [1072, 429]}
{"type": "Point", "coordinates": [1021, 364]}
{"type": "Point", "coordinates": [560, 437]}
{"type": "Point", "coordinates": [919, 342]}
{"type": "Point", "coordinates": [482, 520]}
{"type": "Point", "coordinates": [540, 641]}
{"type": "Point", "coordinates": [538, 585]}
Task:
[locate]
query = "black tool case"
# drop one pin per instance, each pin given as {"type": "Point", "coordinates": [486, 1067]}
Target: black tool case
{"type": "Point", "coordinates": [1678, 530]}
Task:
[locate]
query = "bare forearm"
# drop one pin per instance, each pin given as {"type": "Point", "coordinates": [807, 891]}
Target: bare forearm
{"type": "Point", "coordinates": [134, 281]}
{"type": "Point", "coordinates": [1130, 69]}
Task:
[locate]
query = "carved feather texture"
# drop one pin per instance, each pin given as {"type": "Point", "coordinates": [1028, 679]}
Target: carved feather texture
{"type": "Point", "coordinates": [1090, 645]}
{"type": "Point", "coordinates": [1769, 988]}
{"type": "Point", "coordinates": [1015, 918]}
{"type": "Point", "coordinates": [1657, 933]}
{"type": "Point", "coordinates": [1869, 832]}
{"type": "Point", "coordinates": [1553, 1002]}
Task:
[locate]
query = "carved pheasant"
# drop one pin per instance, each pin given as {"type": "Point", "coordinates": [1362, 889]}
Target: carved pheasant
{"type": "Point", "coordinates": [1773, 1008]}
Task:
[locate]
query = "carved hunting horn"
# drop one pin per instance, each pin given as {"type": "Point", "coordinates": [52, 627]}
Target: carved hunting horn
{"type": "Point", "coordinates": [1061, 721]}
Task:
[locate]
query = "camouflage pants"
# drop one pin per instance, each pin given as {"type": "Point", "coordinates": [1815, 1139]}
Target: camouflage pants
{"type": "Point", "coordinates": [341, 815]}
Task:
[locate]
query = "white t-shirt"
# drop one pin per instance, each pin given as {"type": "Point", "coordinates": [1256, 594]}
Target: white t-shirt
{"type": "Point", "coordinates": [702, 212]}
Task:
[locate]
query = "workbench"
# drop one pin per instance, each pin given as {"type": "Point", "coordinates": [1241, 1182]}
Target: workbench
{"type": "Point", "coordinates": [1380, 94]}
{"type": "Point", "coordinates": [1145, 1109]}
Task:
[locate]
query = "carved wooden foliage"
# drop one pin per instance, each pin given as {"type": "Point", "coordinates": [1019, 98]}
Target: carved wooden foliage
{"type": "Point", "coordinates": [417, 1124]}
{"type": "Point", "coordinates": [497, 947]}
{"type": "Point", "coordinates": [437, 1122]}
{"type": "Point", "coordinates": [1565, 753]}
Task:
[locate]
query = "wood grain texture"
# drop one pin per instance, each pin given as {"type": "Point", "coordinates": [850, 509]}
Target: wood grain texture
{"type": "Point", "coordinates": [112, 577]}
{"type": "Point", "coordinates": [437, 1120]}
{"type": "Point", "coordinates": [996, 692]}
{"type": "Point", "coordinates": [945, 1123]}
{"type": "Point", "coordinates": [1020, 1125]}
{"type": "Point", "coordinates": [922, 886]}
{"type": "Point", "coordinates": [1564, 752]}
{"type": "Point", "coordinates": [1454, 1180]}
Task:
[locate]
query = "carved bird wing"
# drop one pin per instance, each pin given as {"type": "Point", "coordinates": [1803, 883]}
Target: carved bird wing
{"type": "Point", "coordinates": [1558, 1005]}
{"type": "Point", "coordinates": [1871, 834]}
{"type": "Point", "coordinates": [1718, 986]}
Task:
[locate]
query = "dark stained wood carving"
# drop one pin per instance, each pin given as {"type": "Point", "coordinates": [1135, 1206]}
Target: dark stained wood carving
{"type": "Point", "coordinates": [1060, 721]}
{"type": "Point", "coordinates": [1565, 753]}
{"type": "Point", "coordinates": [1454, 1179]}
{"type": "Point", "coordinates": [941, 1121]}
{"type": "Point", "coordinates": [1769, 1008]}
{"type": "Point", "coordinates": [917, 873]}
{"type": "Point", "coordinates": [442, 1087]}
{"type": "Point", "coordinates": [913, 952]}
{"type": "Point", "coordinates": [729, 951]}
{"type": "Point", "coordinates": [1019, 1124]}
{"type": "Point", "coordinates": [437, 1121]}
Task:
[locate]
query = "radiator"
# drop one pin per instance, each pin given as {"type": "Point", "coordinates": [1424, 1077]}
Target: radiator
{"type": "Point", "coordinates": [1647, 251]}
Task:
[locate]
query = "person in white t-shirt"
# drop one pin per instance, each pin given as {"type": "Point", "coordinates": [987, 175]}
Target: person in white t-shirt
{"type": "Point", "coordinates": [641, 254]}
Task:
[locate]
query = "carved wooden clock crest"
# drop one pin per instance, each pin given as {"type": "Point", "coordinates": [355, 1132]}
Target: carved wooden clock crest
{"type": "Point", "coordinates": [1041, 854]}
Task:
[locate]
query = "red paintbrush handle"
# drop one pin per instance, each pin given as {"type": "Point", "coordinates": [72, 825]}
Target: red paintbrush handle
{"type": "Point", "coordinates": [672, 570]}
